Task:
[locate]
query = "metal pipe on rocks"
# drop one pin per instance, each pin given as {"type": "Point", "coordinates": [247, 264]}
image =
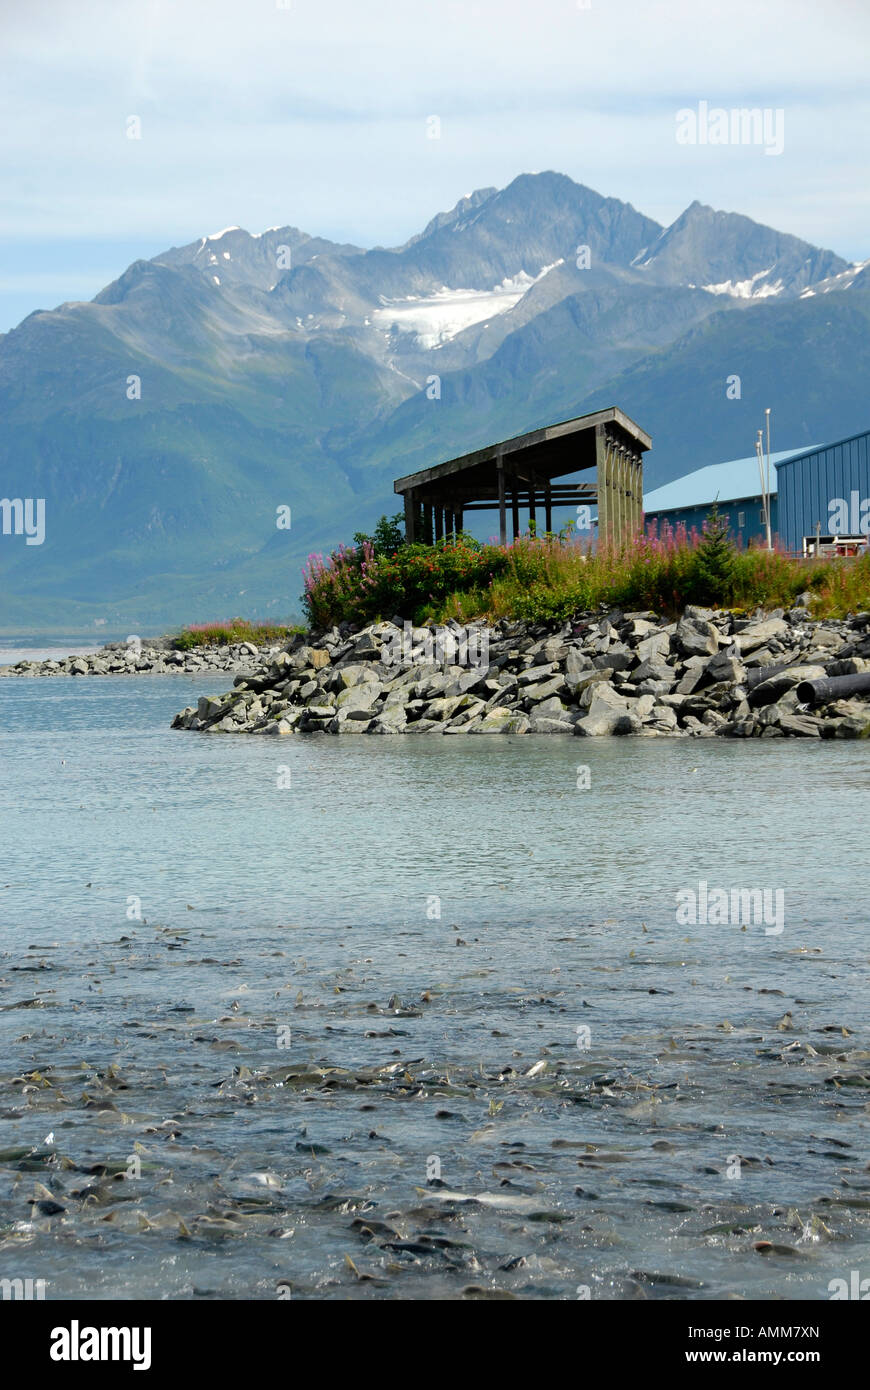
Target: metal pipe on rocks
{"type": "Point", "coordinates": [756, 674]}
{"type": "Point", "coordinates": [820, 692]}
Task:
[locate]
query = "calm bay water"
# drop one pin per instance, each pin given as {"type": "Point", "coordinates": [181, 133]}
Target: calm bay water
{"type": "Point", "coordinates": [13, 650]}
{"type": "Point", "coordinates": [320, 999]}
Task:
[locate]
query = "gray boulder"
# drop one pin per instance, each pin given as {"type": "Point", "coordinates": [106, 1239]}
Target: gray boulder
{"type": "Point", "coordinates": [358, 697]}
{"type": "Point", "coordinates": [801, 725]}
{"type": "Point", "coordinates": [607, 722]}
{"type": "Point", "coordinates": [695, 637]}
{"type": "Point", "coordinates": [759, 634]}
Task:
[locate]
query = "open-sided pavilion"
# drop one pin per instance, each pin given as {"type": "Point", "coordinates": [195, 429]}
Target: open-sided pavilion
{"type": "Point", "coordinates": [518, 474]}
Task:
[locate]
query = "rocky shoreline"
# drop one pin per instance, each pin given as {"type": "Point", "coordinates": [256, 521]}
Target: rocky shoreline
{"type": "Point", "coordinates": [710, 673]}
{"type": "Point", "coordinates": [157, 657]}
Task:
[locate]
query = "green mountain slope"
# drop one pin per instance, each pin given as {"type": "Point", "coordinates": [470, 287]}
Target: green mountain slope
{"type": "Point", "coordinates": [165, 422]}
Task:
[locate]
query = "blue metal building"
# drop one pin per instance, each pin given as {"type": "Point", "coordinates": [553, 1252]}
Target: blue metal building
{"type": "Point", "coordinates": [735, 486]}
{"type": "Point", "coordinates": [825, 485]}
{"type": "Point", "coordinates": [828, 486]}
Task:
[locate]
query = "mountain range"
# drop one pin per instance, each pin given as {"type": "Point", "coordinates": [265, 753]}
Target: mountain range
{"type": "Point", "coordinates": [167, 421]}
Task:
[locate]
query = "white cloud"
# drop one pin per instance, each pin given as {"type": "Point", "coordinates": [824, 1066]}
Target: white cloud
{"type": "Point", "coordinates": [316, 115]}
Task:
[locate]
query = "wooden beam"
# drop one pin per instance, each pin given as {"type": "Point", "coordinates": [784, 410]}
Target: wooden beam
{"type": "Point", "coordinates": [530, 476]}
{"type": "Point", "coordinates": [515, 507]}
{"type": "Point", "coordinates": [480, 494]}
{"type": "Point", "coordinates": [586, 498]}
{"type": "Point", "coordinates": [548, 509]}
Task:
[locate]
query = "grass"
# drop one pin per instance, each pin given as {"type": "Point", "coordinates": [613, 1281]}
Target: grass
{"type": "Point", "coordinates": [556, 577]}
{"type": "Point", "coordinates": [230, 633]}
{"type": "Point", "coordinates": [843, 588]}
{"type": "Point", "coordinates": [551, 580]}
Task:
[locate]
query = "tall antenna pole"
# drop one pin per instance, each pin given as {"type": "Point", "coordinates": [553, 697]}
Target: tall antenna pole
{"type": "Point", "coordinates": [759, 454]}
{"type": "Point", "coordinates": [767, 488]}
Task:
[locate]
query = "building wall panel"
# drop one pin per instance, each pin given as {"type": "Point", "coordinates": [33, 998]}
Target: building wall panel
{"type": "Point", "coordinates": [808, 487]}
{"type": "Point", "coordinates": [748, 508]}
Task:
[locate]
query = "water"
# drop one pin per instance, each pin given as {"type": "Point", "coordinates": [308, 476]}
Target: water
{"type": "Point", "coordinates": [12, 651]}
{"type": "Point", "coordinates": [302, 980]}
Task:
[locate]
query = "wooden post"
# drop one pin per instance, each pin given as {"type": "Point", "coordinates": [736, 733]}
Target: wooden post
{"type": "Point", "coordinates": [427, 523]}
{"type": "Point", "coordinates": [548, 507]}
{"type": "Point", "coordinates": [410, 517]}
{"type": "Point", "coordinates": [502, 518]}
{"type": "Point", "coordinates": [457, 516]}
{"type": "Point", "coordinates": [515, 503]}
{"type": "Point", "coordinates": [439, 521]}
{"type": "Point", "coordinates": [601, 473]}
{"type": "Point", "coordinates": [630, 509]}
{"type": "Point", "coordinates": [532, 508]}
{"type": "Point", "coordinates": [630, 525]}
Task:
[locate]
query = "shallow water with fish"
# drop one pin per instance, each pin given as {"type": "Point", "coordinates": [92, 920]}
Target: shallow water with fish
{"type": "Point", "coordinates": [341, 1052]}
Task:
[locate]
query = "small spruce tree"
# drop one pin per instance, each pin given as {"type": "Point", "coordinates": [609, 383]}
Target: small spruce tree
{"type": "Point", "coordinates": [714, 560]}
{"type": "Point", "coordinates": [387, 537]}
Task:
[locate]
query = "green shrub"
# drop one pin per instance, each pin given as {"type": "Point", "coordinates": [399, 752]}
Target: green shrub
{"type": "Point", "coordinates": [358, 585]}
{"type": "Point", "coordinates": [228, 634]}
{"type": "Point", "coordinates": [552, 578]}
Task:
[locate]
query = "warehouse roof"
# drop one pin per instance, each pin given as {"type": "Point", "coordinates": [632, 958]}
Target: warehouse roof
{"type": "Point", "coordinates": [819, 448]}
{"type": "Point", "coordinates": [727, 482]}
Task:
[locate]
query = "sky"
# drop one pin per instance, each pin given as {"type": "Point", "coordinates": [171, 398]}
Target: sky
{"type": "Point", "coordinates": [318, 114]}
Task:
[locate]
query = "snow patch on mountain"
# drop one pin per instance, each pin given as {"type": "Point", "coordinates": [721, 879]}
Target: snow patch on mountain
{"type": "Point", "coordinates": [746, 289]}
{"type": "Point", "coordinates": [837, 282]}
{"type": "Point", "coordinates": [639, 260]}
{"type": "Point", "coordinates": [435, 319]}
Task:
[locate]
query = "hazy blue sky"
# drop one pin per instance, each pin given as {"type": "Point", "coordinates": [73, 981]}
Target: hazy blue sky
{"type": "Point", "coordinates": [315, 114]}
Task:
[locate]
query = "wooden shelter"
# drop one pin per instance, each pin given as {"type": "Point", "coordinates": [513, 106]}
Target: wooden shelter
{"type": "Point", "coordinates": [518, 474]}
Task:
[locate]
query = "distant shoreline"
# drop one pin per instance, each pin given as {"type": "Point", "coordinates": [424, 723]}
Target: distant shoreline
{"type": "Point", "coordinates": [156, 656]}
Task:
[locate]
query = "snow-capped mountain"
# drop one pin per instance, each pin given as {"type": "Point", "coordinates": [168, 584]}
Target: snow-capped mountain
{"type": "Point", "coordinates": [724, 253]}
{"type": "Point", "coordinates": [166, 420]}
